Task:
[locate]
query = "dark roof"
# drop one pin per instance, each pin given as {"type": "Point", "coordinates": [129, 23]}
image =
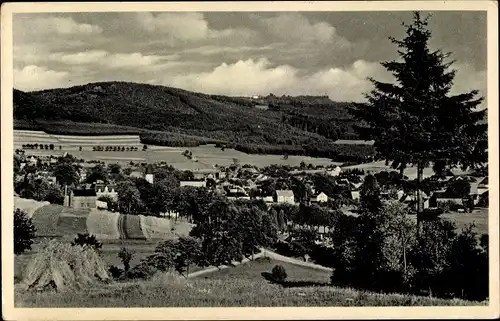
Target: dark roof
{"type": "Point", "coordinates": [149, 169]}
{"type": "Point", "coordinates": [84, 192]}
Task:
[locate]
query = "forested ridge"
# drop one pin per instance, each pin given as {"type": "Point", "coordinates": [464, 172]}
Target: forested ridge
{"type": "Point", "coordinates": [170, 116]}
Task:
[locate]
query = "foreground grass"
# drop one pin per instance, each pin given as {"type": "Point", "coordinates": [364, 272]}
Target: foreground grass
{"type": "Point", "coordinates": [242, 286]}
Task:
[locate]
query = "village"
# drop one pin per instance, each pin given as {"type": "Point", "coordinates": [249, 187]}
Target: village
{"type": "Point", "coordinates": [328, 186]}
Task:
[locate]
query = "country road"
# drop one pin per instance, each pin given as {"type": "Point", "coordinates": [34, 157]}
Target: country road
{"type": "Point", "coordinates": [263, 253]}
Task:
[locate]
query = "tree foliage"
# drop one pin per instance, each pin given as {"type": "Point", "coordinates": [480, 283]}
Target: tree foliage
{"type": "Point", "coordinates": [24, 232]}
{"type": "Point", "coordinates": [416, 120]}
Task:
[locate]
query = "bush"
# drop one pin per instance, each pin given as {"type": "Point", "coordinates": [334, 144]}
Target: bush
{"type": "Point", "coordinates": [87, 240]}
{"type": "Point", "coordinates": [24, 232]}
{"type": "Point", "coordinates": [125, 256]}
{"type": "Point", "coordinates": [279, 273]}
{"type": "Point", "coordinates": [143, 270]}
{"type": "Point", "coordinates": [115, 272]}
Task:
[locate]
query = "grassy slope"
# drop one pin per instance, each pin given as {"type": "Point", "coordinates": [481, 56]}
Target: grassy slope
{"type": "Point", "coordinates": [241, 286]}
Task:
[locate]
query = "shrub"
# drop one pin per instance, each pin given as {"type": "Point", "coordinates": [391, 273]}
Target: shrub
{"type": "Point", "coordinates": [24, 232]}
{"type": "Point", "coordinates": [87, 240]}
{"type": "Point", "coordinates": [115, 272]}
{"type": "Point", "coordinates": [143, 270]}
{"type": "Point", "coordinates": [125, 256]}
{"type": "Point", "coordinates": [279, 273]}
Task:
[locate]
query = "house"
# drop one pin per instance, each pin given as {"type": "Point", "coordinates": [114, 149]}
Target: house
{"type": "Point", "coordinates": [200, 174]}
{"type": "Point", "coordinates": [237, 193]}
{"type": "Point", "coordinates": [83, 175]}
{"type": "Point", "coordinates": [410, 199]}
{"type": "Point", "coordinates": [267, 199]}
{"type": "Point", "coordinates": [81, 198]}
{"type": "Point", "coordinates": [355, 195]}
{"type": "Point", "coordinates": [193, 183]}
{"type": "Point", "coordinates": [106, 190]}
{"type": "Point", "coordinates": [482, 186]}
{"type": "Point", "coordinates": [136, 174]}
{"type": "Point", "coordinates": [335, 172]}
{"type": "Point", "coordinates": [149, 175]}
{"type": "Point", "coordinates": [320, 198]}
{"type": "Point", "coordinates": [32, 160]}
{"type": "Point", "coordinates": [444, 197]}
{"type": "Point", "coordinates": [285, 196]}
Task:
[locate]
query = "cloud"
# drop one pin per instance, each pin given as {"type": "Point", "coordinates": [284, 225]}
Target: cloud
{"type": "Point", "coordinates": [104, 59]}
{"type": "Point", "coordinates": [34, 77]}
{"type": "Point", "coordinates": [250, 77]}
{"type": "Point", "coordinates": [85, 57]}
{"type": "Point", "coordinates": [184, 27]}
{"type": "Point", "coordinates": [294, 26]}
{"type": "Point", "coordinates": [55, 26]}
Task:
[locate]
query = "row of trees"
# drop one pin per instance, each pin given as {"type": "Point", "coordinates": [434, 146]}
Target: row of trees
{"type": "Point", "coordinates": [115, 148]}
{"type": "Point", "coordinates": [224, 232]}
{"type": "Point", "coordinates": [38, 146]}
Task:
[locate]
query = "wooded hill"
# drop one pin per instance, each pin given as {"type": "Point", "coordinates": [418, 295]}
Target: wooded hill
{"type": "Point", "coordinates": [169, 116]}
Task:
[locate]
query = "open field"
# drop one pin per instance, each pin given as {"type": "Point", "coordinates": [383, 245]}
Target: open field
{"type": "Point", "coordinates": [242, 286]}
{"type": "Point", "coordinates": [479, 217]}
{"type": "Point", "coordinates": [71, 141]}
{"type": "Point", "coordinates": [204, 156]}
{"type": "Point", "coordinates": [410, 172]}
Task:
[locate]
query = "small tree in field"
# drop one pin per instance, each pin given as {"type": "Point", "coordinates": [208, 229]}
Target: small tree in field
{"type": "Point", "coordinates": [279, 273]}
{"type": "Point", "coordinates": [24, 232]}
{"type": "Point", "coordinates": [125, 256]}
{"type": "Point", "coordinates": [416, 121]}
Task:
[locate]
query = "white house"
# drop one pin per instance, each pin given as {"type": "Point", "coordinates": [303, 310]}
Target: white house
{"type": "Point", "coordinates": [285, 196]}
{"type": "Point", "coordinates": [482, 186]}
{"type": "Point", "coordinates": [320, 198]}
{"type": "Point", "coordinates": [335, 172]}
{"type": "Point", "coordinates": [107, 190]}
{"type": "Point", "coordinates": [149, 174]}
{"type": "Point", "coordinates": [193, 183]}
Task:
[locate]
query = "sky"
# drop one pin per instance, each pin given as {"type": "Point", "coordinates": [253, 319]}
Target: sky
{"type": "Point", "coordinates": [236, 53]}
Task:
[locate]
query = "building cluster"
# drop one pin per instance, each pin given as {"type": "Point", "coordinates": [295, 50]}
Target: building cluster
{"type": "Point", "coordinates": [247, 182]}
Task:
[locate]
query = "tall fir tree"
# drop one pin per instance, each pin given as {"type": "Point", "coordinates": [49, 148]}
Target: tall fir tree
{"type": "Point", "coordinates": [416, 121]}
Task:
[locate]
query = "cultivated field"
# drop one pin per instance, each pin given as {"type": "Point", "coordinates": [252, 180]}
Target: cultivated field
{"type": "Point", "coordinates": [59, 221]}
{"type": "Point", "coordinates": [204, 156]}
{"type": "Point", "coordinates": [69, 142]}
{"type": "Point", "coordinates": [241, 286]}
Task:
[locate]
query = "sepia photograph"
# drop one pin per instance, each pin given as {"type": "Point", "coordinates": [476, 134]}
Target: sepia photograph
{"type": "Point", "coordinates": [253, 155]}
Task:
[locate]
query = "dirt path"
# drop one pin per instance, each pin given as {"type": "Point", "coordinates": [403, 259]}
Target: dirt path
{"type": "Point", "coordinates": [263, 253]}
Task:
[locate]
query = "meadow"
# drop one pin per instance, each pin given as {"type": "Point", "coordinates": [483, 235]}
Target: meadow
{"type": "Point", "coordinates": [241, 286]}
{"type": "Point", "coordinates": [410, 172]}
{"type": "Point", "coordinates": [204, 156]}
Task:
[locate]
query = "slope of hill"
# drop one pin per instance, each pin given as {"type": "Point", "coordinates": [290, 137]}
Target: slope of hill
{"type": "Point", "coordinates": [164, 115]}
{"type": "Point", "coordinates": [51, 220]}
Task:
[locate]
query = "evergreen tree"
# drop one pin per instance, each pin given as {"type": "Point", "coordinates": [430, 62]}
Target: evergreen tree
{"type": "Point", "coordinates": [416, 121]}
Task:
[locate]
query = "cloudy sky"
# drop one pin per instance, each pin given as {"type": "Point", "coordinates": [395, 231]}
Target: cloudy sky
{"type": "Point", "coordinates": [235, 53]}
